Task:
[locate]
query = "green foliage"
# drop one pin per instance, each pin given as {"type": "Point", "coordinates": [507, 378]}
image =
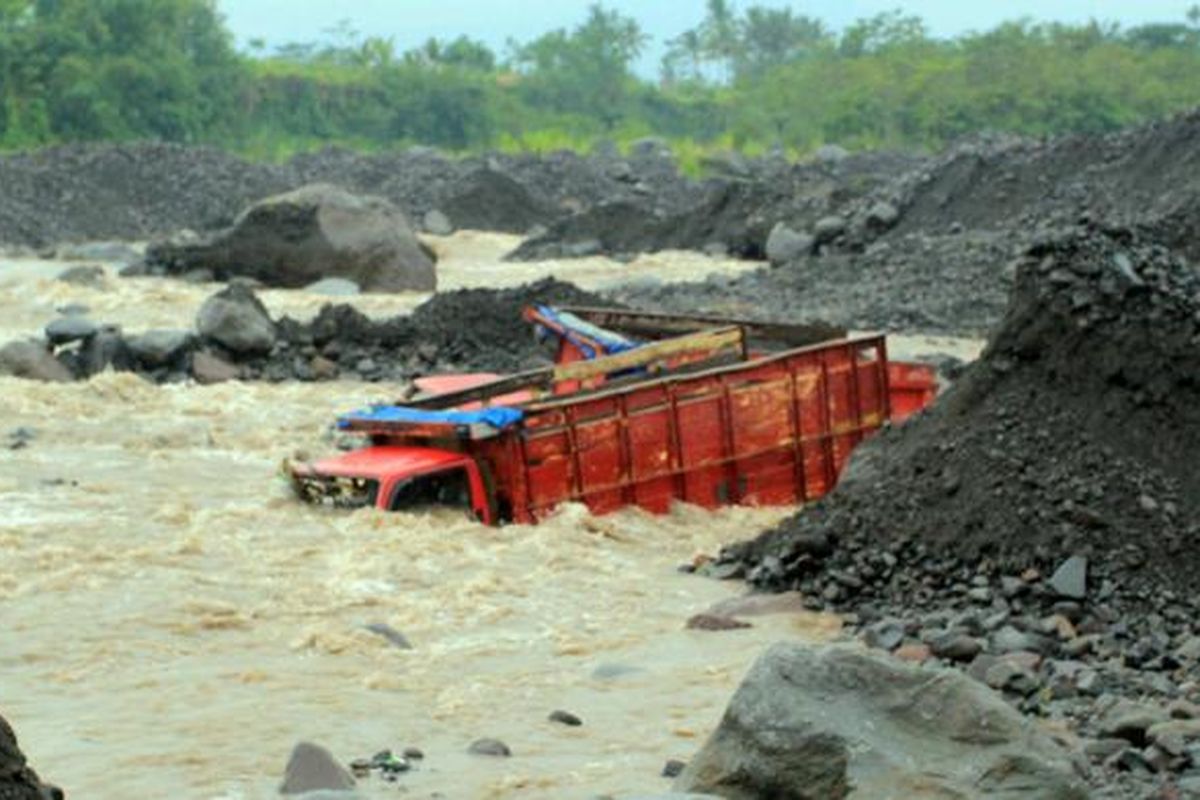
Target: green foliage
{"type": "Point", "coordinates": [746, 78]}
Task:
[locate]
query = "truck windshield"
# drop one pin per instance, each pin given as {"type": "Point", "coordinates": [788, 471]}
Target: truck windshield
{"type": "Point", "coordinates": [336, 492]}
{"type": "Point", "coordinates": [449, 489]}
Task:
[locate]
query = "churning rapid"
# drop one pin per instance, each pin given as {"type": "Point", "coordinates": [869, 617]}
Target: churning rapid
{"type": "Point", "coordinates": [173, 621]}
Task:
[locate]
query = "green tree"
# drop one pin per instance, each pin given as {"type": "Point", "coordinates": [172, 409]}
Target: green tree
{"type": "Point", "coordinates": [586, 71]}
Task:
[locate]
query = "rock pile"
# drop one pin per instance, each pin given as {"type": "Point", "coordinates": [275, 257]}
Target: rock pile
{"type": "Point", "coordinates": [235, 338]}
{"type": "Point", "coordinates": [734, 215]}
{"type": "Point", "coordinates": [1040, 524]}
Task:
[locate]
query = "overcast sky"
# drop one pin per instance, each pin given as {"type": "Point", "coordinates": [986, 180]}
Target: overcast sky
{"type": "Point", "coordinates": [494, 21]}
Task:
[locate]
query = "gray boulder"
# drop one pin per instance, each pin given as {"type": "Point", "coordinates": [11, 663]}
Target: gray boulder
{"type": "Point", "coordinates": [159, 348]}
{"type": "Point", "coordinates": [70, 328]}
{"type": "Point", "coordinates": [838, 722]}
{"type": "Point", "coordinates": [1070, 579]}
{"type": "Point", "coordinates": [785, 245]}
{"type": "Point", "coordinates": [312, 768]}
{"type": "Point", "coordinates": [208, 369]}
{"type": "Point", "coordinates": [92, 277]}
{"type": "Point", "coordinates": [829, 228]}
{"type": "Point", "coordinates": [33, 360]}
{"type": "Point", "coordinates": [882, 216]}
{"type": "Point", "coordinates": [237, 320]}
{"type": "Point", "coordinates": [437, 223]}
{"type": "Point", "coordinates": [315, 232]}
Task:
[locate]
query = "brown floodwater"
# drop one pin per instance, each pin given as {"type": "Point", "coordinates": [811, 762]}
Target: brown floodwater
{"type": "Point", "coordinates": [172, 621]}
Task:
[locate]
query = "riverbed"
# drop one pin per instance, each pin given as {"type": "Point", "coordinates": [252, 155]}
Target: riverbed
{"type": "Point", "coordinates": [172, 621]}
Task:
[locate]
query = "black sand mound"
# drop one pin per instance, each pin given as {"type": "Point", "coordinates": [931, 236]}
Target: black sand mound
{"type": "Point", "coordinates": [1078, 432]}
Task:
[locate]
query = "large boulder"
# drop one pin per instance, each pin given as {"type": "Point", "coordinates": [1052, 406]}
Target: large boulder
{"type": "Point", "coordinates": [237, 320]}
{"type": "Point", "coordinates": [317, 231]}
{"type": "Point", "coordinates": [839, 722]}
{"type": "Point", "coordinates": [18, 781]}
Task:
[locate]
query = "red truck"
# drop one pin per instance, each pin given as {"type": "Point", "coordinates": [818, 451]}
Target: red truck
{"type": "Point", "coordinates": [697, 417]}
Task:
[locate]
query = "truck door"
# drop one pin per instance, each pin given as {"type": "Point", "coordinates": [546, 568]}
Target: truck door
{"type": "Point", "coordinates": [457, 487]}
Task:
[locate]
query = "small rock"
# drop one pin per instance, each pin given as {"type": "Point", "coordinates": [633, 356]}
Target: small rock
{"type": "Point", "coordinates": [565, 718]}
{"type": "Point", "coordinates": [389, 633]}
{"type": "Point", "coordinates": [913, 653]}
{"type": "Point", "coordinates": [882, 216]}
{"type": "Point", "coordinates": [829, 228]}
{"type": "Point", "coordinates": [437, 223]}
{"type": "Point", "coordinates": [489, 747]}
{"type": "Point", "coordinates": [1070, 579]}
{"type": "Point", "coordinates": [65, 330]}
{"type": "Point", "coordinates": [414, 754]}
{"type": "Point", "coordinates": [158, 348]}
{"type": "Point", "coordinates": [785, 245]}
{"type": "Point", "coordinates": [313, 768]}
{"type": "Point", "coordinates": [955, 647]}
{"type": "Point", "coordinates": [887, 634]}
{"type": "Point", "coordinates": [609, 672]}
{"type": "Point", "coordinates": [1010, 640]}
{"type": "Point", "coordinates": [673, 768]}
{"type": "Point", "coordinates": [1006, 676]}
{"type": "Point", "coordinates": [1186, 729]}
{"type": "Point", "coordinates": [710, 622]}
{"type": "Point", "coordinates": [90, 277]}
{"type": "Point", "coordinates": [1102, 749]}
{"type": "Point", "coordinates": [1130, 721]}
{"type": "Point", "coordinates": [334, 287]}
{"type": "Point", "coordinates": [323, 369]}
{"type": "Point", "coordinates": [208, 369]}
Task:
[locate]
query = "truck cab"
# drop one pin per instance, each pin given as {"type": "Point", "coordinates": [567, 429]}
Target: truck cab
{"type": "Point", "coordinates": [395, 478]}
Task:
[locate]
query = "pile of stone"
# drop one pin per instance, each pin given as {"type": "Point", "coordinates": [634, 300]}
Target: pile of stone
{"type": "Point", "coordinates": [1040, 525]}
{"type": "Point", "coordinates": [235, 338]}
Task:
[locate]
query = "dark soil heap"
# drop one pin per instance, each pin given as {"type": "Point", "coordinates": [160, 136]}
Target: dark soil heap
{"type": "Point", "coordinates": [463, 330]}
{"type": "Point", "coordinates": [1078, 433]}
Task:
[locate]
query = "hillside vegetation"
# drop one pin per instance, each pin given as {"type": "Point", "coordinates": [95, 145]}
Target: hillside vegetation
{"type": "Point", "coordinates": [748, 79]}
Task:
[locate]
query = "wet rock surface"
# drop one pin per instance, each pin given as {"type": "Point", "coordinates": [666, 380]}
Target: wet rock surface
{"type": "Point", "coordinates": [839, 722]}
{"type": "Point", "coordinates": [312, 768]}
{"type": "Point", "coordinates": [470, 330]}
{"type": "Point", "coordinates": [18, 781]}
{"type": "Point", "coordinates": [315, 232]}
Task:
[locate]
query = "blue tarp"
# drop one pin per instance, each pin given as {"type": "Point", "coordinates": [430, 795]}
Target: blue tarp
{"type": "Point", "coordinates": [573, 326]}
{"type": "Point", "coordinates": [499, 417]}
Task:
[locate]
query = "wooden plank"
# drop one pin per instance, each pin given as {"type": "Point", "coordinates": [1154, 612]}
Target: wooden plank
{"type": "Point", "coordinates": [653, 325]}
{"type": "Point", "coordinates": [535, 380]}
{"type": "Point", "coordinates": [713, 341]}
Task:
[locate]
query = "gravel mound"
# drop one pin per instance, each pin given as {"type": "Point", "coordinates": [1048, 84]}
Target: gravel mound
{"type": "Point", "coordinates": [1076, 433]}
{"type": "Point", "coordinates": [144, 190]}
{"type": "Point", "coordinates": [732, 215]}
{"type": "Point", "coordinates": [933, 284]}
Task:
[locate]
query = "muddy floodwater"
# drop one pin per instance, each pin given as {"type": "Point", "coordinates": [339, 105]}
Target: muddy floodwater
{"type": "Point", "coordinates": [172, 621]}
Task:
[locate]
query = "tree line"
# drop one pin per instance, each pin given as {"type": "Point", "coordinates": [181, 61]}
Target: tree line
{"type": "Point", "coordinates": [753, 78]}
